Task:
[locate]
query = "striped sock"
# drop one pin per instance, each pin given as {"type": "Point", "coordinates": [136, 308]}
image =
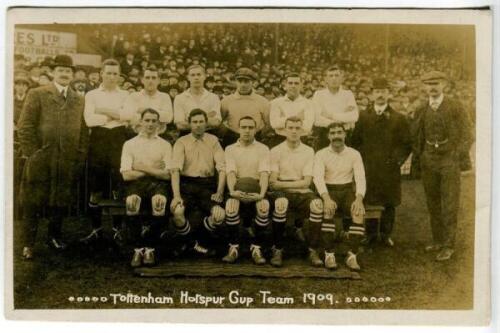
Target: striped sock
{"type": "Point", "coordinates": [356, 230]}
{"type": "Point", "coordinates": [183, 230]}
{"type": "Point", "coordinates": [328, 234]}
{"type": "Point", "coordinates": [262, 221]}
{"type": "Point", "coordinates": [208, 225]}
{"type": "Point", "coordinates": [233, 219]}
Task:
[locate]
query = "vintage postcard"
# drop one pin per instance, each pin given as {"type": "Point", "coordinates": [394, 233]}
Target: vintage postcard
{"type": "Point", "coordinates": [299, 166]}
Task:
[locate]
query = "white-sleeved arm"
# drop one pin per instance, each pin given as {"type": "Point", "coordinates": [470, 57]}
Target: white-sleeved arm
{"type": "Point", "coordinates": [129, 112]}
{"type": "Point", "coordinates": [359, 174]}
{"type": "Point", "coordinates": [277, 116]}
{"type": "Point", "coordinates": [350, 112]}
{"type": "Point", "coordinates": [275, 160]}
{"type": "Point", "coordinates": [92, 119]}
{"type": "Point", "coordinates": [230, 162]}
{"type": "Point", "coordinates": [319, 174]}
{"type": "Point", "coordinates": [310, 114]}
{"type": "Point", "coordinates": [319, 119]}
{"type": "Point", "coordinates": [126, 159]}
{"type": "Point", "coordinates": [214, 110]}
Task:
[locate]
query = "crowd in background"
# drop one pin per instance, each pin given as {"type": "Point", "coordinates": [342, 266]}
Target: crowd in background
{"type": "Point", "coordinates": [269, 52]}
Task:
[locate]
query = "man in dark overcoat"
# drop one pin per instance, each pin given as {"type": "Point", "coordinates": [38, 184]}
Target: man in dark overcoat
{"type": "Point", "coordinates": [382, 137]}
{"type": "Point", "coordinates": [53, 139]}
{"type": "Point", "coordinates": [443, 134]}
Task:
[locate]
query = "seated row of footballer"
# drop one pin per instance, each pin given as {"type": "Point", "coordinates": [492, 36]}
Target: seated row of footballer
{"type": "Point", "coordinates": [203, 189]}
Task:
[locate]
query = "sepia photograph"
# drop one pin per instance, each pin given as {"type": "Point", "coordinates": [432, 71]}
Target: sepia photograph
{"type": "Point", "coordinates": [164, 159]}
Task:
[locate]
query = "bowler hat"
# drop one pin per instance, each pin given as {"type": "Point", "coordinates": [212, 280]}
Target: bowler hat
{"type": "Point", "coordinates": [63, 60]}
{"type": "Point", "coordinates": [433, 76]}
{"type": "Point", "coordinates": [380, 83]}
{"type": "Point", "coordinates": [246, 73]}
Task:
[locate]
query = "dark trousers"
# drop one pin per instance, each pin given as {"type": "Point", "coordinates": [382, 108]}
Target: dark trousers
{"type": "Point", "coordinates": [196, 193]}
{"type": "Point", "coordinates": [31, 217]}
{"type": "Point", "coordinates": [386, 222]}
{"type": "Point", "coordinates": [104, 168]}
{"type": "Point", "coordinates": [441, 180]}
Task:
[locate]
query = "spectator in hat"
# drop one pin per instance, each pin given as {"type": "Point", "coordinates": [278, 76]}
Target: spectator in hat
{"type": "Point", "coordinates": [164, 83]}
{"type": "Point", "coordinates": [382, 137]}
{"type": "Point", "coordinates": [80, 73]}
{"type": "Point", "coordinates": [121, 79]}
{"type": "Point", "coordinates": [173, 91]}
{"type": "Point", "coordinates": [128, 63]}
{"type": "Point", "coordinates": [34, 75]}
{"type": "Point", "coordinates": [53, 168]}
{"type": "Point", "coordinates": [443, 137]}
{"type": "Point", "coordinates": [94, 78]}
{"type": "Point", "coordinates": [21, 87]}
{"type": "Point", "coordinates": [44, 79]}
{"type": "Point", "coordinates": [79, 86]}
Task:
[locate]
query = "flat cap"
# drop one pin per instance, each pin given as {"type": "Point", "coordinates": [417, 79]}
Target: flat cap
{"type": "Point", "coordinates": [433, 76]}
{"type": "Point", "coordinates": [245, 73]}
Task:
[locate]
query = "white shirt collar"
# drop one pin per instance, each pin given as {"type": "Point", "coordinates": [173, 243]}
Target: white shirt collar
{"type": "Point", "coordinates": [437, 100]}
{"type": "Point", "coordinates": [296, 99]}
{"type": "Point", "coordinates": [251, 144]}
{"type": "Point", "coordinates": [379, 109]}
{"type": "Point", "coordinates": [101, 87]}
{"type": "Point", "coordinates": [60, 89]}
{"type": "Point", "coordinates": [204, 93]}
{"type": "Point", "coordinates": [143, 91]}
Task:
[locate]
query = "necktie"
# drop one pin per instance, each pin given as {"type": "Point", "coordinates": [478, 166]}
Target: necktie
{"type": "Point", "coordinates": [63, 95]}
{"type": "Point", "coordinates": [434, 105]}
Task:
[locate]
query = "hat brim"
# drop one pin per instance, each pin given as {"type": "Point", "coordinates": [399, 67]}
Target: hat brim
{"type": "Point", "coordinates": [63, 65]}
{"type": "Point", "coordinates": [244, 77]}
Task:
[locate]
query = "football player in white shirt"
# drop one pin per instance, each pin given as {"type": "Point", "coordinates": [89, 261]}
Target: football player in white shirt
{"type": "Point", "coordinates": [103, 108]}
{"type": "Point", "coordinates": [247, 169]}
{"type": "Point", "coordinates": [339, 176]}
{"type": "Point", "coordinates": [291, 177]}
{"type": "Point", "coordinates": [145, 165]}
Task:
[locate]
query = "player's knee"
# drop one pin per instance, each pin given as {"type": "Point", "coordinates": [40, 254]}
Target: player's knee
{"type": "Point", "coordinates": [262, 207]}
{"type": "Point", "coordinates": [218, 214]}
{"type": "Point", "coordinates": [316, 206]}
{"type": "Point", "coordinates": [281, 206]}
{"type": "Point", "coordinates": [132, 204]}
{"type": "Point", "coordinates": [232, 207]}
{"type": "Point", "coordinates": [159, 204]}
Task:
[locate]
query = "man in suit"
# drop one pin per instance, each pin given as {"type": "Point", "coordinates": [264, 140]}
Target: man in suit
{"type": "Point", "coordinates": [54, 139]}
{"type": "Point", "coordinates": [382, 137]}
{"type": "Point", "coordinates": [443, 134]}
